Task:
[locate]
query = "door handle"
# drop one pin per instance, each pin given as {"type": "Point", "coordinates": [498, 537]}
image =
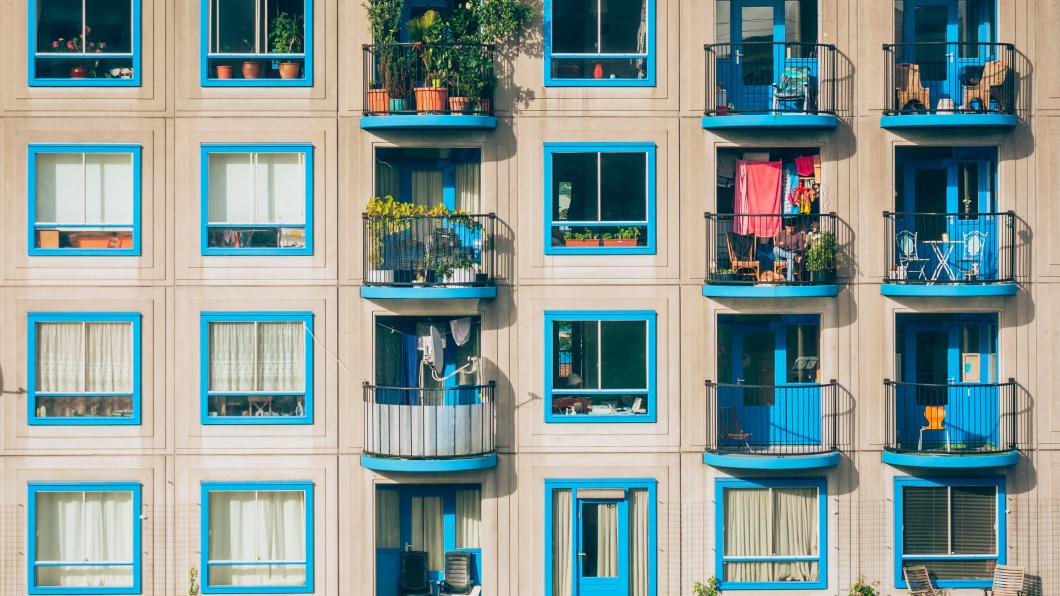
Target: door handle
{"type": "Point", "coordinates": [738, 55]}
{"type": "Point", "coordinates": [950, 56]}
{"type": "Point", "coordinates": [582, 554]}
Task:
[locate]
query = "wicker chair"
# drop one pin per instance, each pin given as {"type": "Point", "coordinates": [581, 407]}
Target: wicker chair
{"type": "Point", "coordinates": [908, 89]}
{"type": "Point", "coordinates": [994, 74]}
{"type": "Point", "coordinates": [748, 265]}
{"type": "Point", "coordinates": [919, 582]}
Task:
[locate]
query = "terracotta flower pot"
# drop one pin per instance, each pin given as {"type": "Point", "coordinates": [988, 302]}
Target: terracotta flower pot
{"type": "Point", "coordinates": [378, 101]}
{"type": "Point", "coordinates": [78, 72]}
{"type": "Point", "coordinates": [251, 69]}
{"type": "Point", "coordinates": [290, 70]}
{"type": "Point", "coordinates": [620, 242]}
{"type": "Point", "coordinates": [431, 100]}
{"type": "Point", "coordinates": [459, 105]}
{"type": "Point", "coordinates": [224, 71]}
{"type": "Point", "coordinates": [484, 105]}
{"type": "Point", "coordinates": [580, 243]}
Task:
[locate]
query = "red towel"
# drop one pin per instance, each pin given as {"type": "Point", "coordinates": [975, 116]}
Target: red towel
{"type": "Point", "coordinates": [804, 165]}
{"type": "Point", "coordinates": [758, 192]}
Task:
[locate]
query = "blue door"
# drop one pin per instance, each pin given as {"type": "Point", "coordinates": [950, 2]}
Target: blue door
{"type": "Point", "coordinates": [602, 547]}
{"type": "Point", "coordinates": [958, 37]}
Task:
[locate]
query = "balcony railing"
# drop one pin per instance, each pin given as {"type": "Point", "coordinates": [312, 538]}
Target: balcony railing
{"type": "Point", "coordinates": [770, 78]}
{"type": "Point", "coordinates": [952, 418]}
{"type": "Point", "coordinates": [428, 423]}
{"type": "Point", "coordinates": [950, 248]}
{"type": "Point", "coordinates": [949, 78]}
{"type": "Point", "coordinates": [758, 248]}
{"type": "Point", "coordinates": [425, 250]}
{"type": "Point", "coordinates": [419, 78]}
{"type": "Point", "coordinates": [772, 419]}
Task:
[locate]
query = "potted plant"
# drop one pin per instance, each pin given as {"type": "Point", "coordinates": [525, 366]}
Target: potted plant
{"type": "Point", "coordinates": [287, 39]}
{"type": "Point", "coordinates": [398, 79]}
{"type": "Point", "coordinates": [378, 98]}
{"type": "Point", "coordinates": [860, 588]}
{"type": "Point", "coordinates": [822, 258]}
{"type": "Point", "coordinates": [580, 239]}
{"type": "Point", "coordinates": [626, 236]}
{"type": "Point", "coordinates": [708, 589]}
{"type": "Point", "coordinates": [251, 69]}
{"type": "Point", "coordinates": [425, 31]}
{"type": "Point", "coordinates": [77, 45]}
{"type": "Point", "coordinates": [224, 71]}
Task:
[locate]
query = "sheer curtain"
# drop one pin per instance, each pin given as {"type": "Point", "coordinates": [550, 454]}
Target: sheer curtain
{"type": "Point", "coordinates": [387, 180]}
{"type": "Point", "coordinates": [771, 522]}
{"type": "Point", "coordinates": [795, 532]}
{"type": "Point", "coordinates": [109, 357]}
{"type": "Point", "coordinates": [468, 518]}
{"type": "Point", "coordinates": [233, 353]}
{"type": "Point", "coordinates": [387, 519]}
{"type": "Point", "coordinates": [427, 188]}
{"type": "Point", "coordinates": [468, 187]}
{"type": "Point", "coordinates": [606, 540]}
{"type": "Point", "coordinates": [60, 357]}
{"type": "Point", "coordinates": [281, 356]}
{"type": "Point", "coordinates": [85, 527]}
{"type": "Point", "coordinates": [427, 532]}
{"type": "Point", "coordinates": [257, 356]}
{"type": "Point", "coordinates": [84, 357]}
{"type": "Point", "coordinates": [261, 526]}
{"type": "Point", "coordinates": [562, 574]}
{"type": "Point", "coordinates": [639, 555]}
{"type": "Point", "coordinates": [747, 533]}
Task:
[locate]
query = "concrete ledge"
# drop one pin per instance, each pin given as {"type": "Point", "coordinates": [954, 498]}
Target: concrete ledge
{"type": "Point", "coordinates": [463, 464]}
{"type": "Point", "coordinates": [435, 121]}
{"type": "Point", "coordinates": [427, 292]}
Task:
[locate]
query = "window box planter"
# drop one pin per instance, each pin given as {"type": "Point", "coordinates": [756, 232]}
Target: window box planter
{"type": "Point", "coordinates": [378, 101]}
{"type": "Point", "coordinates": [571, 242]}
{"type": "Point", "coordinates": [620, 241]}
{"type": "Point", "coordinates": [101, 240]}
{"type": "Point", "coordinates": [431, 100]}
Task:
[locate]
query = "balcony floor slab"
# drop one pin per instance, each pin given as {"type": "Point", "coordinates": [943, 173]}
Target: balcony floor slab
{"type": "Point", "coordinates": [949, 121]}
{"type": "Point", "coordinates": [951, 460]}
{"type": "Point", "coordinates": [462, 464]}
{"type": "Point", "coordinates": [769, 291]}
{"type": "Point", "coordinates": [950, 290]}
{"type": "Point", "coordinates": [427, 293]}
{"type": "Point", "coordinates": [767, 121]}
{"type": "Point", "coordinates": [428, 121]}
{"type": "Point", "coordinates": [771, 462]}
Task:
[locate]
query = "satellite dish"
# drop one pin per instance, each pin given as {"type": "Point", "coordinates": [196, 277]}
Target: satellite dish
{"type": "Point", "coordinates": [438, 351]}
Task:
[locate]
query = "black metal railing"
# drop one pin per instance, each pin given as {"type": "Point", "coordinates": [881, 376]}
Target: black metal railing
{"type": "Point", "coordinates": [429, 423]}
{"type": "Point", "coordinates": [770, 78]}
{"type": "Point", "coordinates": [798, 249]}
{"type": "Point", "coordinates": [949, 78]}
{"type": "Point", "coordinates": [453, 250]}
{"type": "Point", "coordinates": [772, 419]}
{"type": "Point", "coordinates": [420, 78]}
{"type": "Point", "coordinates": [951, 418]}
{"type": "Point", "coordinates": [949, 248]}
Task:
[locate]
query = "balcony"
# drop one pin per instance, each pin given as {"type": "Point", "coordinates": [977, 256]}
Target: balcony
{"type": "Point", "coordinates": [954, 425]}
{"type": "Point", "coordinates": [949, 85]}
{"type": "Point", "coordinates": [428, 86]}
{"type": "Point", "coordinates": [949, 254]}
{"type": "Point", "coordinates": [429, 256]}
{"type": "Point", "coordinates": [772, 427]}
{"type": "Point", "coordinates": [771, 256]}
{"type": "Point", "coordinates": [770, 85]}
{"type": "Point", "coordinates": [417, 429]}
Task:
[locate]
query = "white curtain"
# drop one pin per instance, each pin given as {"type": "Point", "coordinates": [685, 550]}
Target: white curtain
{"type": "Point", "coordinates": [747, 533]}
{"type": "Point", "coordinates": [233, 353]}
{"type": "Point", "coordinates": [468, 519]}
{"type": "Point", "coordinates": [256, 188]}
{"type": "Point", "coordinates": [427, 530]}
{"type": "Point", "coordinates": [795, 532]}
{"type": "Point", "coordinates": [387, 519]}
{"type": "Point", "coordinates": [387, 180]}
{"type": "Point", "coordinates": [771, 522]}
{"type": "Point", "coordinates": [259, 526]}
{"type": "Point", "coordinates": [257, 356]}
{"type": "Point", "coordinates": [281, 356]}
{"type": "Point", "coordinates": [84, 357]}
{"type": "Point", "coordinates": [85, 527]}
{"type": "Point", "coordinates": [606, 540]}
{"type": "Point", "coordinates": [427, 187]}
{"type": "Point", "coordinates": [468, 187]}
{"type": "Point", "coordinates": [639, 555]}
{"type": "Point", "coordinates": [78, 188]}
{"type": "Point", "coordinates": [562, 543]}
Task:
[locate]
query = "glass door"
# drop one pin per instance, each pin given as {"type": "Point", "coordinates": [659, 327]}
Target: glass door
{"type": "Point", "coordinates": [603, 543]}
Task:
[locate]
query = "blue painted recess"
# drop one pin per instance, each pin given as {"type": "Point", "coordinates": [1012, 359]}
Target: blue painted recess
{"type": "Point", "coordinates": [766, 291]}
{"type": "Point", "coordinates": [463, 464]}
{"type": "Point", "coordinates": [772, 462]}
{"type": "Point", "coordinates": [770, 121]}
{"type": "Point", "coordinates": [952, 290]}
{"type": "Point", "coordinates": [949, 121]}
{"type": "Point", "coordinates": [427, 293]}
{"type": "Point", "coordinates": [438, 121]}
{"type": "Point", "coordinates": [952, 461]}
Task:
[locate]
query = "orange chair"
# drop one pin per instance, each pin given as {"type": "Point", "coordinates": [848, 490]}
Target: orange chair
{"type": "Point", "coordinates": [934, 416]}
{"type": "Point", "coordinates": [994, 73]}
{"type": "Point", "coordinates": [908, 88]}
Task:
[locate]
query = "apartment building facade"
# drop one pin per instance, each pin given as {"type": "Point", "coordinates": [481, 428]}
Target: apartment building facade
{"type": "Point", "coordinates": [757, 290]}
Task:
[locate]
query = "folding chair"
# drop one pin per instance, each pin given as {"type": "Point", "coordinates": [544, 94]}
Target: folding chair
{"type": "Point", "coordinates": [910, 93]}
{"type": "Point", "coordinates": [729, 426]}
{"type": "Point", "coordinates": [748, 265]}
{"type": "Point", "coordinates": [794, 86]}
{"type": "Point", "coordinates": [1008, 581]}
{"type": "Point", "coordinates": [919, 582]}
{"type": "Point", "coordinates": [970, 262]}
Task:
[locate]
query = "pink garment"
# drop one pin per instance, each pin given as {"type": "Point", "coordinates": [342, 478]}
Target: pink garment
{"type": "Point", "coordinates": [804, 165]}
{"type": "Point", "coordinates": [757, 192]}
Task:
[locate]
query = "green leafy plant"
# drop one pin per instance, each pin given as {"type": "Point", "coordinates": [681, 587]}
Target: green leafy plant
{"type": "Point", "coordinates": [708, 589]}
{"type": "Point", "coordinates": [586, 234]}
{"type": "Point", "coordinates": [823, 254]}
{"type": "Point", "coordinates": [193, 581]}
{"type": "Point", "coordinates": [860, 588]}
{"type": "Point", "coordinates": [629, 232]}
{"type": "Point", "coordinates": [425, 31]}
{"type": "Point", "coordinates": [387, 216]}
{"type": "Point", "coordinates": [286, 33]}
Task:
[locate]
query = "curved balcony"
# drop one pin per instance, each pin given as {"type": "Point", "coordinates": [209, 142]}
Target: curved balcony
{"type": "Point", "coordinates": [772, 427]}
{"type": "Point", "coordinates": [771, 256]}
{"type": "Point", "coordinates": [949, 85]}
{"type": "Point", "coordinates": [949, 254]}
{"type": "Point", "coordinates": [954, 425]}
{"type": "Point", "coordinates": [770, 85]}
{"type": "Point", "coordinates": [429, 257]}
{"type": "Point", "coordinates": [428, 86]}
{"type": "Point", "coordinates": [417, 429]}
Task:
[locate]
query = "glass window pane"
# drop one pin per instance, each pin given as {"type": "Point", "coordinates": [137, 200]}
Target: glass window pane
{"type": "Point", "coordinates": [747, 522]}
{"type": "Point", "coordinates": [974, 520]}
{"type": "Point", "coordinates": [232, 357]}
{"type": "Point", "coordinates": [795, 521]}
{"type": "Point", "coordinates": [623, 27]}
{"type": "Point", "coordinates": [468, 518]}
{"type": "Point", "coordinates": [623, 186]}
{"type": "Point", "coordinates": [574, 26]}
{"type": "Point", "coordinates": [802, 353]}
{"type": "Point", "coordinates": [231, 188]}
{"type": "Point", "coordinates": [945, 570]}
{"type": "Point", "coordinates": [281, 356]}
{"type": "Point", "coordinates": [574, 355]}
{"type": "Point", "coordinates": [108, 188]}
{"type": "Point", "coordinates": [55, 19]}
{"type": "Point", "coordinates": [233, 27]}
{"type": "Point", "coordinates": [387, 519]}
{"type": "Point", "coordinates": [85, 527]}
{"type": "Point", "coordinates": [109, 22]}
{"type": "Point", "coordinates": [428, 530]}
{"type": "Point", "coordinates": [257, 575]}
{"type": "Point", "coordinates": [109, 355]}
{"type": "Point", "coordinates": [262, 526]}
{"type": "Point", "coordinates": [280, 188]}
{"type": "Point", "coordinates": [624, 353]}
{"type": "Point", "coordinates": [599, 539]}
{"type": "Point", "coordinates": [925, 530]}
{"type": "Point", "coordinates": [60, 357]}
{"type": "Point", "coordinates": [60, 188]}
{"type": "Point", "coordinates": [574, 186]}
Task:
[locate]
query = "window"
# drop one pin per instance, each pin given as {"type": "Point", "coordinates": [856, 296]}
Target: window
{"type": "Point", "coordinates": [84, 538]}
{"type": "Point", "coordinates": [84, 43]}
{"type": "Point", "coordinates": [954, 527]}
{"type": "Point", "coordinates": [598, 42]}
{"type": "Point", "coordinates": [601, 198]}
{"type": "Point", "coordinates": [772, 534]}
{"type": "Point", "coordinates": [84, 200]}
{"type": "Point", "coordinates": [429, 177]}
{"type": "Point", "coordinates": [600, 366]}
{"type": "Point", "coordinates": [600, 537]}
{"type": "Point", "coordinates": [257, 199]}
{"type": "Point", "coordinates": [257, 537]}
{"type": "Point", "coordinates": [257, 368]}
{"type": "Point", "coordinates": [84, 368]}
{"type": "Point", "coordinates": [262, 43]}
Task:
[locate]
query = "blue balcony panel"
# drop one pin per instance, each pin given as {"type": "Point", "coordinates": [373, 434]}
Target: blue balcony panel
{"type": "Point", "coordinates": [949, 290]}
{"type": "Point", "coordinates": [460, 464]}
{"type": "Point", "coordinates": [949, 121]}
{"type": "Point", "coordinates": [954, 461]}
{"type": "Point", "coordinates": [428, 121]}
{"type": "Point", "coordinates": [427, 292]}
{"type": "Point", "coordinates": [771, 462]}
{"type": "Point", "coordinates": [769, 121]}
{"type": "Point", "coordinates": [770, 291]}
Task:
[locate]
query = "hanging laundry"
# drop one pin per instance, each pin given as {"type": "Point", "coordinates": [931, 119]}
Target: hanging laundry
{"type": "Point", "coordinates": [804, 165]}
{"type": "Point", "coordinates": [791, 183]}
{"type": "Point", "coordinates": [461, 329]}
{"type": "Point", "coordinates": [758, 189]}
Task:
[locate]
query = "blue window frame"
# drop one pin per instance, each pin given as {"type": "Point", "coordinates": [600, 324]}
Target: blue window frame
{"type": "Point", "coordinates": [622, 561]}
{"type": "Point", "coordinates": [257, 199]}
{"type": "Point", "coordinates": [266, 560]}
{"type": "Point", "coordinates": [766, 570]}
{"type": "Point", "coordinates": [247, 377]}
{"type": "Point", "coordinates": [83, 200]}
{"type": "Point", "coordinates": [83, 43]}
{"type": "Point", "coordinates": [953, 526]}
{"type": "Point", "coordinates": [52, 548]}
{"type": "Point", "coordinates": [83, 368]}
{"type": "Point", "coordinates": [588, 46]}
{"type": "Point", "coordinates": [603, 191]}
{"type": "Point", "coordinates": [600, 366]}
{"type": "Point", "coordinates": [238, 47]}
